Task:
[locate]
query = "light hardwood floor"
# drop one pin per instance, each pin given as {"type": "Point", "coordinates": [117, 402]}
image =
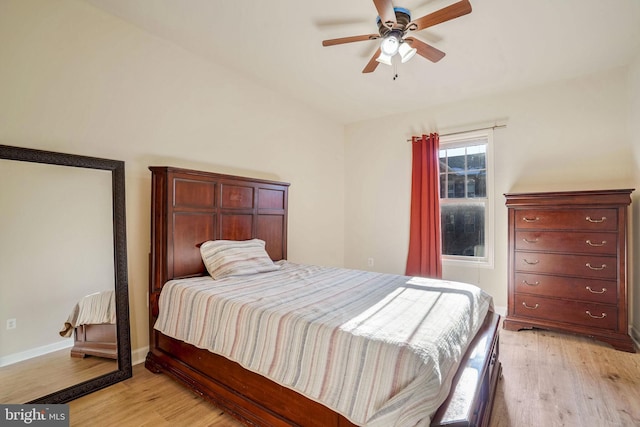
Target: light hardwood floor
{"type": "Point", "coordinates": [39, 376]}
{"type": "Point", "coordinates": [549, 379]}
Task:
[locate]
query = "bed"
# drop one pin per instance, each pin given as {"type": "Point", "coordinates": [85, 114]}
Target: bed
{"type": "Point", "coordinates": [92, 322]}
{"type": "Point", "coordinates": [190, 208]}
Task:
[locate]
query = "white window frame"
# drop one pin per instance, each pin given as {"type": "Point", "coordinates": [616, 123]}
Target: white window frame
{"type": "Point", "coordinates": [462, 139]}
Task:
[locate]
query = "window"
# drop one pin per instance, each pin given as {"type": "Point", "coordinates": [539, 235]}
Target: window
{"type": "Point", "coordinates": [466, 187]}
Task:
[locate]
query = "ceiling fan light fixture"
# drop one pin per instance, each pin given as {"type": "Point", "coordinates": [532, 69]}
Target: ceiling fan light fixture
{"type": "Point", "coordinates": [383, 58]}
{"type": "Point", "coordinates": [391, 43]}
{"type": "Point", "coordinates": [406, 52]}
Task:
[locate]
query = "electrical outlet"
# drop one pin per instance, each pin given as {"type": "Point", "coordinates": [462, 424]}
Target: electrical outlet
{"type": "Point", "coordinates": [370, 262]}
{"type": "Point", "coordinates": [11, 323]}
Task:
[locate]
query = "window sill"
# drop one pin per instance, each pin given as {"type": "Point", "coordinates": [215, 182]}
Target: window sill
{"type": "Point", "coordinates": [454, 261]}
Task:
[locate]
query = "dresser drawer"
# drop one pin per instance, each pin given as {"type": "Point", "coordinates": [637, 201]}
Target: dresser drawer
{"type": "Point", "coordinates": [578, 313]}
{"type": "Point", "coordinates": [590, 266]}
{"type": "Point", "coordinates": [567, 241]}
{"type": "Point", "coordinates": [593, 290]}
{"type": "Point", "coordinates": [567, 219]}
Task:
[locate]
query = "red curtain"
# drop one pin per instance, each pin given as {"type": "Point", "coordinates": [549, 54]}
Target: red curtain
{"type": "Point", "coordinates": [424, 238]}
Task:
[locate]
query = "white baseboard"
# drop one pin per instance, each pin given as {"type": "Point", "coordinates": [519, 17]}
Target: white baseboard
{"type": "Point", "coordinates": [139, 355]}
{"type": "Point", "coordinates": [635, 335]}
{"type": "Point", "coordinates": [35, 352]}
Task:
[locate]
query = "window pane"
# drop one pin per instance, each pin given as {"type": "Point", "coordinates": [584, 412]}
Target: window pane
{"type": "Point", "coordinates": [456, 185]}
{"type": "Point", "coordinates": [479, 184]}
{"type": "Point", "coordinates": [456, 159]}
{"type": "Point", "coordinates": [476, 161]}
{"type": "Point", "coordinates": [471, 187]}
{"type": "Point", "coordinates": [476, 149]}
{"type": "Point", "coordinates": [463, 229]}
{"type": "Point", "coordinates": [463, 172]}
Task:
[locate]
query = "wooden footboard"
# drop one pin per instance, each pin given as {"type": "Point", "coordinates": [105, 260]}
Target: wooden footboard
{"type": "Point", "coordinates": [95, 340]}
{"type": "Point", "coordinates": [255, 400]}
{"type": "Point", "coordinates": [474, 387]}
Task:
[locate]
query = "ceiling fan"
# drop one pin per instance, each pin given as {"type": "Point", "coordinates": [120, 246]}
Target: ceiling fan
{"type": "Point", "coordinates": [394, 23]}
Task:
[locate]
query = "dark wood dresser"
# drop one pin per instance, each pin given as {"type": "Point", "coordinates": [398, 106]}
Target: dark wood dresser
{"type": "Point", "coordinates": [568, 263]}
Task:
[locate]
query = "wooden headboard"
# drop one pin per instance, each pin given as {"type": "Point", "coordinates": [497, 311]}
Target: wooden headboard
{"type": "Point", "coordinates": [190, 207]}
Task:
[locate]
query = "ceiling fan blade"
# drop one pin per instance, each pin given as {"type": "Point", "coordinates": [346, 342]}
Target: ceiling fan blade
{"type": "Point", "coordinates": [371, 66]}
{"type": "Point", "coordinates": [333, 42]}
{"type": "Point", "coordinates": [321, 23]}
{"type": "Point", "coordinates": [425, 50]}
{"type": "Point", "coordinates": [448, 13]}
{"type": "Point", "coordinates": [386, 12]}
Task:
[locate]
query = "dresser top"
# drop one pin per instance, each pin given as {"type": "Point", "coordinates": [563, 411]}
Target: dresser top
{"type": "Point", "coordinates": [621, 197]}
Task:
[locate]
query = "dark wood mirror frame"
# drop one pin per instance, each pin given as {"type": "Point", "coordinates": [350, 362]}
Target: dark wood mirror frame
{"type": "Point", "coordinates": [116, 167]}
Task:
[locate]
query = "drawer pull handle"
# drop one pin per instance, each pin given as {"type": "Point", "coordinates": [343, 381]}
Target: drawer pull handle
{"type": "Point", "coordinates": [531, 308]}
{"type": "Point", "coordinates": [596, 317]}
{"type": "Point", "coordinates": [603, 219]}
{"type": "Point", "coordinates": [602, 267]}
{"type": "Point", "coordinates": [596, 292]}
{"type": "Point", "coordinates": [530, 241]}
{"type": "Point", "coordinates": [525, 219]}
{"type": "Point", "coordinates": [531, 262]}
{"type": "Point", "coordinates": [590, 243]}
{"type": "Point", "coordinates": [536, 283]}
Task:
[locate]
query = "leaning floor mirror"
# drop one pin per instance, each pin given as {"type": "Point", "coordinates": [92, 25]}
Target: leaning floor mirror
{"type": "Point", "coordinates": [64, 304]}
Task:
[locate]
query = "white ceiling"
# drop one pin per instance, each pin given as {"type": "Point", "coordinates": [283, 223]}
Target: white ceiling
{"type": "Point", "coordinates": [501, 45]}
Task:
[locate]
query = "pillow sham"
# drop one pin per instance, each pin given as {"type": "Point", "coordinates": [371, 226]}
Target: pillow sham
{"type": "Point", "coordinates": [224, 258]}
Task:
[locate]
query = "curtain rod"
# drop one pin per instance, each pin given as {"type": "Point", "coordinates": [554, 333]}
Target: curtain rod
{"type": "Point", "coordinates": [470, 130]}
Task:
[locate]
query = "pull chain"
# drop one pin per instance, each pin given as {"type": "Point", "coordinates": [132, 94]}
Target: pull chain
{"type": "Point", "coordinates": [395, 71]}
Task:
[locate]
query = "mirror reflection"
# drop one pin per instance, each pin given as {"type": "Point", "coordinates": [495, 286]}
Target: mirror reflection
{"type": "Point", "coordinates": [58, 297]}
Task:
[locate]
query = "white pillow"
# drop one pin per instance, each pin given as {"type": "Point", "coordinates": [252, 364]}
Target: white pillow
{"type": "Point", "coordinates": [224, 258]}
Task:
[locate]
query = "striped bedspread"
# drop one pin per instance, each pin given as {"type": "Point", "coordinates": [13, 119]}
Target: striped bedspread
{"type": "Point", "coordinates": [380, 349]}
{"type": "Point", "coordinates": [96, 308]}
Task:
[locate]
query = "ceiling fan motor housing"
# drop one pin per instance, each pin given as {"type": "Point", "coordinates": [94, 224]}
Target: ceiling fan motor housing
{"type": "Point", "coordinates": [403, 17]}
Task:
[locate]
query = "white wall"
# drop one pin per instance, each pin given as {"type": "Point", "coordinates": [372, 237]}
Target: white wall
{"type": "Point", "coordinates": [634, 120]}
{"type": "Point", "coordinates": [570, 135]}
{"type": "Point", "coordinates": [74, 79]}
